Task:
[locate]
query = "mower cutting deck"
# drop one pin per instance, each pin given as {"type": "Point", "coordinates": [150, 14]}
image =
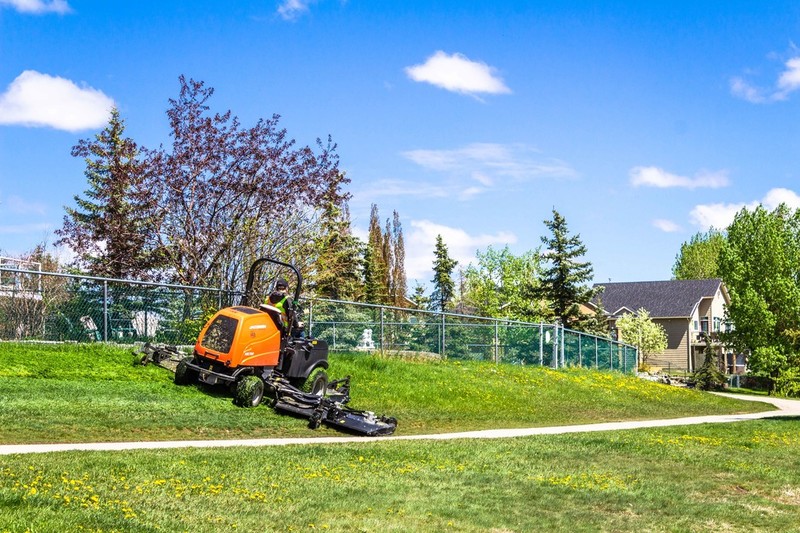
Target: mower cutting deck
{"type": "Point", "coordinates": [323, 407]}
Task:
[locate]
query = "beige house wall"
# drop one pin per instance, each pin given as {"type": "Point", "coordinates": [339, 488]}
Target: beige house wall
{"type": "Point", "coordinates": [676, 356]}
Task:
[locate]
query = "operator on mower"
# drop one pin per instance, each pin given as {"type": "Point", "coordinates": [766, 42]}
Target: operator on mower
{"type": "Point", "coordinates": [279, 298]}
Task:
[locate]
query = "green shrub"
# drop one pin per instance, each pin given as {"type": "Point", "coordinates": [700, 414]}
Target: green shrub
{"type": "Point", "coordinates": [788, 383]}
{"type": "Point", "coordinates": [708, 376]}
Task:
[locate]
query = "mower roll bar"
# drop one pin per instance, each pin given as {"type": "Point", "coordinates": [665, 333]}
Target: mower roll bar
{"type": "Point", "coordinates": [248, 291]}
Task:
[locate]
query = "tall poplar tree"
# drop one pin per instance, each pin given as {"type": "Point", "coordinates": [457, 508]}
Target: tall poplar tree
{"type": "Point", "coordinates": [699, 257]}
{"type": "Point", "coordinates": [443, 284]}
{"type": "Point", "coordinates": [399, 283]}
{"type": "Point", "coordinates": [760, 263]}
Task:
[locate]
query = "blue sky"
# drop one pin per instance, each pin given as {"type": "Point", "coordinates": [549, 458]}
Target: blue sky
{"type": "Point", "coordinates": [641, 122]}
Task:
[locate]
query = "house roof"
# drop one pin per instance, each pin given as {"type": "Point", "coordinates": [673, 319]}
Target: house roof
{"type": "Point", "coordinates": [662, 299]}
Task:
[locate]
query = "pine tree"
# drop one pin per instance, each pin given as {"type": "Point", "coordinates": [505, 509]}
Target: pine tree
{"type": "Point", "coordinates": [338, 267]}
{"type": "Point", "coordinates": [444, 286]}
{"type": "Point", "coordinates": [418, 296]}
{"type": "Point", "coordinates": [108, 229]}
{"type": "Point", "coordinates": [564, 283]}
{"type": "Point", "coordinates": [375, 268]}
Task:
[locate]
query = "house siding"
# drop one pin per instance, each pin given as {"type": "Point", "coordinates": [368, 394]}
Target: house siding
{"type": "Point", "coordinates": [676, 356]}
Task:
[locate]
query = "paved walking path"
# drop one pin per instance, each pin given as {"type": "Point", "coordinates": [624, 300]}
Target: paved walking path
{"type": "Point", "coordinates": [785, 408]}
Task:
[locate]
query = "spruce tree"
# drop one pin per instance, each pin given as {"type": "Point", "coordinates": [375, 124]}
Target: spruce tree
{"type": "Point", "coordinates": [109, 229]}
{"type": "Point", "coordinates": [564, 284]}
{"type": "Point", "coordinates": [338, 267]}
{"type": "Point", "coordinates": [443, 284]}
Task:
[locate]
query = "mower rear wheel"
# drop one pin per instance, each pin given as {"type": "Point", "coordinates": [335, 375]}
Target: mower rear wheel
{"type": "Point", "coordinates": [183, 374]}
{"type": "Point", "coordinates": [316, 383]}
{"type": "Point", "coordinates": [249, 391]}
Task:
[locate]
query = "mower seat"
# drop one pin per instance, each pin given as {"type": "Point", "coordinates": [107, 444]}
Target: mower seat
{"type": "Point", "coordinates": [276, 316]}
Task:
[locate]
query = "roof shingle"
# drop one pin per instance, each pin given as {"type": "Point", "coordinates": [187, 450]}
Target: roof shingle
{"type": "Point", "coordinates": [662, 299]}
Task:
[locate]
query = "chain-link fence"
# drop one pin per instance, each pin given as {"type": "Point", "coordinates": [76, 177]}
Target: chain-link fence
{"type": "Point", "coordinates": [349, 326]}
{"type": "Point", "coordinates": [63, 307]}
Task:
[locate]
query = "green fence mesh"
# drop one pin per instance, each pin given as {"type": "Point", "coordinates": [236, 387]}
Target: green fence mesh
{"type": "Point", "coordinates": [61, 307]}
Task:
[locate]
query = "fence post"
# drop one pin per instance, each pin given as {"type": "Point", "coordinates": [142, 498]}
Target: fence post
{"type": "Point", "coordinates": [311, 321]}
{"type": "Point", "coordinates": [382, 308]}
{"type": "Point", "coordinates": [554, 359]}
{"type": "Point", "coordinates": [563, 348]}
{"type": "Point", "coordinates": [443, 337]}
{"type": "Point", "coordinates": [596, 359]}
{"type": "Point", "coordinates": [496, 344]}
{"type": "Point", "coordinates": [541, 345]}
{"type": "Point", "coordinates": [105, 311]}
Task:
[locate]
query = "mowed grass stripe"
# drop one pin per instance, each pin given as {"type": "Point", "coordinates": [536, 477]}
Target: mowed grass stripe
{"type": "Point", "coordinates": [93, 393]}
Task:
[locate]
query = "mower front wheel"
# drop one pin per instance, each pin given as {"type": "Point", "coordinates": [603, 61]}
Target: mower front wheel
{"type": "Point", "coordinates": [183, 374]}
{"type": "Point", "coordinates": [249, 392]}
{"type": "Point", "coordinates": [317, 382]}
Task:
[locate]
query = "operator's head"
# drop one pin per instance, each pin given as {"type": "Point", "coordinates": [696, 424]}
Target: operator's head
{"type": "Point", "coordinates": [281, 285]}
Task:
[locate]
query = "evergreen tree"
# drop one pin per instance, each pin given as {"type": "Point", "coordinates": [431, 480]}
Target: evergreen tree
{"type": "Point", "coordinates": [418, 296]}
{"type": "Point", "coordinates": [109, 229]}
{"type": "Point", "coordinates": [444, 286]}
{"type": "Point", "coordinates": [338, 267]}
{"type": "Point", "coordinates": [375, 267]}
{"type": "Point", "coordinates": [564, 282]}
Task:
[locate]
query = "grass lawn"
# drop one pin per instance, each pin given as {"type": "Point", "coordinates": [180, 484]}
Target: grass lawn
{"type": "Point", "coordinates": [92, 393]}
{"type": "Point", "coordinates": [715, 477]}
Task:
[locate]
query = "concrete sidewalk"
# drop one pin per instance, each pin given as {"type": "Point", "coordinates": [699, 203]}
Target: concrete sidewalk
{"type": "Point", "coordinates": [785, 407]}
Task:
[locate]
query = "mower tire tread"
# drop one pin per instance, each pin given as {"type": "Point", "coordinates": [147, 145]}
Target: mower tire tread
{"type": "Point", "coordinates": [183, 374]}
{"type": "Point", "coordinates": [316, 383]}
{"type": "Point", "coordinates": [249, 392]}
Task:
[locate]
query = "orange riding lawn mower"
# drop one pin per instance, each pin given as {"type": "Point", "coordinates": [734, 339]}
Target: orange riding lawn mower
{"type": "Point", "coordinates": [261, 353]}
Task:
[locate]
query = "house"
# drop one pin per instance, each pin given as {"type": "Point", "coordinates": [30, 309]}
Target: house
{"type": "Point", "coordinates": [691, 312]}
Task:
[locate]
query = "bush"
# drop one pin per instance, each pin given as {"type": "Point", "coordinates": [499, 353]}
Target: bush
{"type": "Point", "coordinates": [708, 376]}
{"type": "Point", "coordinates": [788, 383]}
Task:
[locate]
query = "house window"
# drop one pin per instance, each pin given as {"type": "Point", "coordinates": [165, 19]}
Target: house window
{"type": "Point", "coordinates": [696, 327]}
{"type": "Point", "coordinates": [717, 324]}
{"type": "Point", "coordinates": [704, 324]}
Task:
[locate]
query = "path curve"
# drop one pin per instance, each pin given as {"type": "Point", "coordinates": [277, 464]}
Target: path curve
{"type": "Point", "coordinates": [784, 406]}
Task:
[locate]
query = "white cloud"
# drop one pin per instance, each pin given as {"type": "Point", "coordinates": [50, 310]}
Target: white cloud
{"type": "Point", "coordinates": [22, 229]}
{"type": "Point", "coordinates": [18, 206]}
{"type": "Point", "coordinates": [721, 215]}
{"type": "Point", "coordinates": [394, 187]}
{"type": "Point", "coordinates": [461, 246]}
{"type": "Point", "coordinates": [666, 226]}
{"type": "Point", "coordinates": [657, 177]}
{"type": "Point", "coordinates": [469, 171]}
{"type": "Point", "coordinates": [487, 162]}
{"type": "Point", "coordinates": [742, 89]}
{"type": "Point", "coordinates": [292, 9]}
{"type": "Point", "coordinates": [776, 197]}
{"type": "Point", "coordinates": [36, 99]}
{"type": "Point", "coordinates": [459, 74]}
{"type": "Point", "coordinates": [788, 81]}
{"type": "Point", "coordinates": [38, 7]}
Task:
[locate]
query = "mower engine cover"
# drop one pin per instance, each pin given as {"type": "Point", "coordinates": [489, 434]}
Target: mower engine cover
{"type": "Point", "coordinates": [241, 336]}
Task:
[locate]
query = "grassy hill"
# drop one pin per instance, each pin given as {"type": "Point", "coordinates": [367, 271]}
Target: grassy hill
{"type": "Point", "coordinates": [711, 477]}
{"type": "Point", "coordinates": [93, 392]}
